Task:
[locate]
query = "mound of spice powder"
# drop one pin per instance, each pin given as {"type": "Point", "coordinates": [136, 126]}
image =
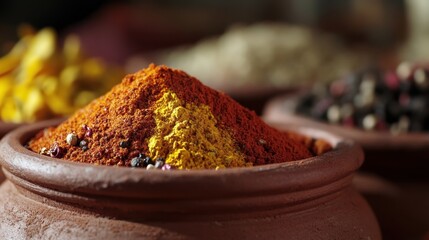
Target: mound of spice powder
{"type": "Point", "coordinates": [163, 118]}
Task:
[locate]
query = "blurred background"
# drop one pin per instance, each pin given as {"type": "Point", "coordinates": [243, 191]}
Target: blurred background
{"type": "Point", "coordinates": [57, 56]}
{"type": "Point", "coordinates": [116, 30]}
{"type": "Point", "coordinates": [258, 48]}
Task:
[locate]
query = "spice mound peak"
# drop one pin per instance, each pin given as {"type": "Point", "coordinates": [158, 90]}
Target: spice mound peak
{"type": "Point", "coordinates": [163, 118]}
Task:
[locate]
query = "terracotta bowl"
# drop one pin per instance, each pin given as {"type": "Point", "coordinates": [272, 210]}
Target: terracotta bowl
{"type": "Point", "coordinates": [4, 129]}
{"type": "Point", "coordinates": [307, 199]}
{"type": "Point", "coordinates": [399, 157]}
{"type": "Point", "coordinates": [394, 177]}
{"type": "Point", "coordinates": [402, 208]}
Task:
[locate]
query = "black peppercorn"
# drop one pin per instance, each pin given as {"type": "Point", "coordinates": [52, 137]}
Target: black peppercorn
{"type": "Point", "coordinates": [82, 143]}
{"type": "Point", "coordinates": [373, 99]}
{"type": "Point", "coordinates": [147, 161]}
{"type": "Point", "coordinates": [124, 144]}
{"type": "Point", "coordinates": [137, 162]}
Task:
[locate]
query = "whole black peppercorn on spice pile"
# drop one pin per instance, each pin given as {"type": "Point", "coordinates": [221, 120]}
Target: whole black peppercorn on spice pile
{"type": "Point", "coordinates": [374, 99]}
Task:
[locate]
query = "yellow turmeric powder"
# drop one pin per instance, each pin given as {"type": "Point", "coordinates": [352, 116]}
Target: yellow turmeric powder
{"type": "Point", "coordinates": [188, 136]}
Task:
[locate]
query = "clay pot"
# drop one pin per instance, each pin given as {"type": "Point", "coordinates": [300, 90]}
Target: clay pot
{"type": "Point", "coordinates": [4, 129]}
{"type": "Point", "coordinates": [394, 177]}
{"type": "Point", "coordinates": [384, 153]}
{"type": "Point", "coordinates": [255, 97]}
{"type": "Point", "coordinates": [307, 199]}
{"type": "Point", "coordinates": [402, 208]}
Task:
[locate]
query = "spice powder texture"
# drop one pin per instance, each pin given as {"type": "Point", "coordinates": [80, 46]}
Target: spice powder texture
{"type": "Point", "coordinates": [164, 113]}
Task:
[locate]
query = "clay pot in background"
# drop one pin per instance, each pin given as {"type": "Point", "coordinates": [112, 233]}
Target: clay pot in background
{"type": "Point", "coordinates": [402, 208]}
{"type": "Point", "coordinates": [398, 165]}
{"type": "Point", "coordinates": [307, 199]}
{"type": "Point", "coordinates": [4, 129]}
{"type": "Point", "coordinates": [255, 98]}
{"type": "Point", "coordinates": [385, 154]}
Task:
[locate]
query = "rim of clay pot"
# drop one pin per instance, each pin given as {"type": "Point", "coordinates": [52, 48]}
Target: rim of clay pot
{"type": "Point", "coordinates": [282, 109]}
{"type": "Point", "coordinates": [234, 189]}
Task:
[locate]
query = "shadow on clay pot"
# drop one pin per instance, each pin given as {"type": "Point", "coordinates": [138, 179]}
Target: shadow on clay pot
{"type": "Point", "coordinates": [306, 199]}
{"type": "Point", "coordinates": [395, 180]}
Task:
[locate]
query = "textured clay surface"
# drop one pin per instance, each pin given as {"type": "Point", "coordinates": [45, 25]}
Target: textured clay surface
{"type": "Point", "coordinates": [341, 218]}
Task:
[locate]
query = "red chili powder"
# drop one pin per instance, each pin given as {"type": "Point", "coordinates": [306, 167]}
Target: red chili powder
{"type": "Point", "coordinates": [116, 127]}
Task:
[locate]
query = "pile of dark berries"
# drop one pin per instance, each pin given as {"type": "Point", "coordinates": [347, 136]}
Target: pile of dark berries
{"type": "Point", "coordinates": [142, 161]}
{"type": "Point", "coordinates": [373, 99]}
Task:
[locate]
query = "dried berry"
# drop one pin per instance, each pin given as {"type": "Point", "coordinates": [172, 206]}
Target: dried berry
{"type": "Point", "coordinates": [88, 133]}
{"type": "Point", "coordinates": [150, 166]}
{"type": "Point", "coordinates": [88, 130]}
{"type": "Point", "coordinates": [147, 161]}
{"type": "Point", "coordinates": [136, 162]}
{"type": "Point", "coordinates": [43, 151]}
{"type": "Point", "coordinates": [334, 114]}
{"type": "Point", "coordinates": [159, 164]}
{"type": "Point", "coordinates": [391, 81]}
{"type": "Point", "coordinates": [83, 143]}
{"type": "Point", "coordinates": [56, 151]}
{"type": "Point", "coordinates": [369, 122]}
{"type": "Point", "coordinates": [374, 100]}
{"type": "Point", "coordinates": [166, 167]}
{"type": "Point", "coordinates": [124, 144]}
{"type": "Point", "coordinates": [71, 139]}
{"type": "Point", "coordinates": [421, 78]}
